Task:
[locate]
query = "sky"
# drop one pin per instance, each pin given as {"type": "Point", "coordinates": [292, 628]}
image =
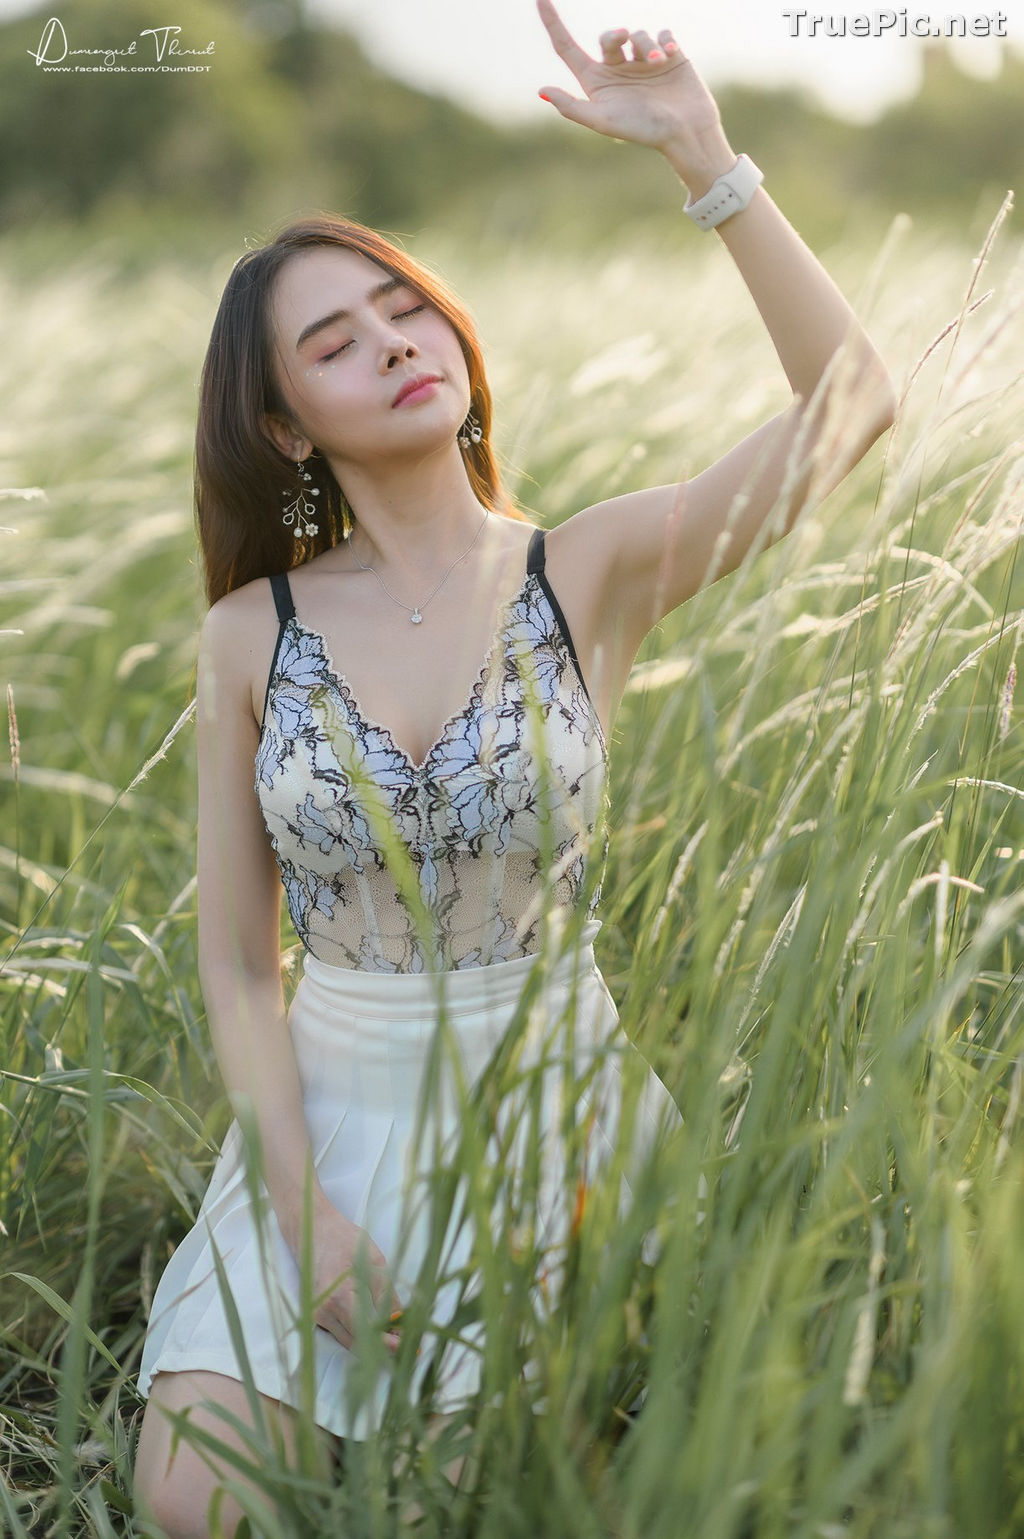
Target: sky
{"type": "Point", "coordinates": [494, 55]}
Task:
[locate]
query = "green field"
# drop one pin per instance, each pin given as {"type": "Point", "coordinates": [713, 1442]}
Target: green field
{"type": "Point", "coordinates": [813, 915]}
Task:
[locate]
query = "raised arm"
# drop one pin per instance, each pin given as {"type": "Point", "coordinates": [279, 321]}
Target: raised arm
{"type": "Point", "coordinates": [658, 546]}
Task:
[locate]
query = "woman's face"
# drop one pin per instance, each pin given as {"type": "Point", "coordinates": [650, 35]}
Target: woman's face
{"type": "Point", "coordinates": [348, 337]}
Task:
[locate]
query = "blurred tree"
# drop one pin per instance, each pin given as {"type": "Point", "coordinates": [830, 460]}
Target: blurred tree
{"type": "Point", "coordinates": [383, 151]}
{"type": "Point", "coordinates": [293, 116]}
{"type": "Point", "coordinates": [289, 115]}
{"type": "Point", "coordinates": [954, 149]}
{"type": "Point", "coordinates": [68, 141]}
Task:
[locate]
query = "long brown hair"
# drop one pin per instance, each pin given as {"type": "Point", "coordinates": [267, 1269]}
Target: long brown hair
{"type": "Point", "coordinates": [239, 473]}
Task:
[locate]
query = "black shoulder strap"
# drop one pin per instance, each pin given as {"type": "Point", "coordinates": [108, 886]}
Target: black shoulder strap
{"type": "Point", "coordinates": [282, 596]}
{"type": "Point", "coordinates": [535, 554]}
{"type": "Point", "coordinates": [535, 563]}
{"type": "Point", "coordinates": [281, 589]}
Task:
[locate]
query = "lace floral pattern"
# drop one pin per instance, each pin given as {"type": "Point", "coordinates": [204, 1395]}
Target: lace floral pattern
{"type": "Point", "coordinates": [390, 866]}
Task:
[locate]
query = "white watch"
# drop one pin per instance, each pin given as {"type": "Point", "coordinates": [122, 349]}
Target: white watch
{"type": "Point", "coordinates": [728, 194]}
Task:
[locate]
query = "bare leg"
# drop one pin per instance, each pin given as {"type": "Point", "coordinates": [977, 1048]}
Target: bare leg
{"type": "Point", "coordinates": [452, 1470]}
{"type": "Point", "coordinates": [175, 1495]}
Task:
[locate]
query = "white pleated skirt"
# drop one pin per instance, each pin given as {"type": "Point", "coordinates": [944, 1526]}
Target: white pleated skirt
{"type": "Point", "coordinates": [377, 1056]}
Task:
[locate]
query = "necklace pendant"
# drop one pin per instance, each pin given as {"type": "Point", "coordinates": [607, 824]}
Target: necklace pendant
{"type": "Point", "coordinates": [416, 617]}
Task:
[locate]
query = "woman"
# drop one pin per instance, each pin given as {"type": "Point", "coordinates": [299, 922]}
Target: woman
{"type": "Point", "coordinates": [435, 820]}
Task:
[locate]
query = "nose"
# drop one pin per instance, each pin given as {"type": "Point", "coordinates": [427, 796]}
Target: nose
{"type": "Point", "coordinates": [396, 347]}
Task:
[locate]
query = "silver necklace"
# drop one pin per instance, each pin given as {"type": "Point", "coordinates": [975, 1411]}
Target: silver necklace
{"type": "Point", "coordinates": [416, 617]}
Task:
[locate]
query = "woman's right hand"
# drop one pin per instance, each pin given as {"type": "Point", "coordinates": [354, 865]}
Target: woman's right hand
{"type": "Point", "coordinates": [337, 1242]}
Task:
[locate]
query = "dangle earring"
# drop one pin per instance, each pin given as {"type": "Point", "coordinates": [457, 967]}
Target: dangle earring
{"type": "Point", "coordinates": [298, 511]}
{"type": "Point", "coordinates": [471, 432]}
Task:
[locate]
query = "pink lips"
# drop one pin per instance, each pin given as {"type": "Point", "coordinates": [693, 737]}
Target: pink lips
{"type": "Point", "coordinates": [415, 388]}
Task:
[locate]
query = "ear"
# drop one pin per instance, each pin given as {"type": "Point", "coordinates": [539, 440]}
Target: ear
{"type": "Point", "coordinates": [286, 437]}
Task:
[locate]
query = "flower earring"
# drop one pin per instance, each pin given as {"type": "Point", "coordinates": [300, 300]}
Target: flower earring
{"type": "Point", "coordinates": [298, 511]}
{"type": "Point", "coordinates": [471, 432]}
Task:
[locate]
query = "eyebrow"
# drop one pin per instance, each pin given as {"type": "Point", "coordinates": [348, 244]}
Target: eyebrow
{"type": "Point", "coordinates": [387, 287]}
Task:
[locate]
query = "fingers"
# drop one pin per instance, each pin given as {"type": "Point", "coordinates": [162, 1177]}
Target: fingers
{"type": "Point", "coordinates": [565, 45]}
{"type": "Point", "coordinates": [612, 42]}
{"type": "Point", "coordinates": [335, 1321]}
{"type": "Point", "coordinates": [393, 1336]}
{"type": "Point", "coordinates": [646, 49]}
{"type": "Point", "coordinates": [340, 1311]}
{"type": "Point", "coordinates": [611, 45]}
{"type": "Point", "coordinates": [365, 1276]}
{"type": "Point", "coordinates": [569, 106]}
{"type": "Point", "coordinates": [392, 1332]}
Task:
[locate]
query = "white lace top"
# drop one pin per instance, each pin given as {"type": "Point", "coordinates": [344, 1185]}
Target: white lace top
{"type": "Point", "coordinates": [391, 866]}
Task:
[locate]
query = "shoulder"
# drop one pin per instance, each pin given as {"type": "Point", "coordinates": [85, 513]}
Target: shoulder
{"type": "Point", "coordinates": [231, 616]}
{"type": "Point", "coordinates": [236, 620]}
{"type": "Point", "coordinates": [584, 551]}
{"type": "Point", "coordinates": [235, 640]}
{"type": "Point", "coordinates": [595, 567]}
{"type": "Point", "coordinates": [624, 553]}
{"type": "Point", "coordinates": [591, 537]}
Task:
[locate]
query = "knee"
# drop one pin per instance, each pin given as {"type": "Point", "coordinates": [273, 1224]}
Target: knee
{"type": "Point", "coordinates": [179, 1508]}
{"type": "Point", "coordinates": [172, 1497]}
{"type": "Point", "coordinates": [174, 1489]}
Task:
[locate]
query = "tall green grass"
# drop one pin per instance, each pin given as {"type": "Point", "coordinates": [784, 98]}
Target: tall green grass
{"type": "Point", "coordinates": [812, 924]}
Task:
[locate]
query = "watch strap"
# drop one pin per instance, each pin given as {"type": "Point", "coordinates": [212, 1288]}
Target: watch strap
{"type": "Point", "coordinates": [727, 195]}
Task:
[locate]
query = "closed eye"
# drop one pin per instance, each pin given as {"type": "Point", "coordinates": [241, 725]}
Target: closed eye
{"type": "Point", "coordinates": [404, 315]}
